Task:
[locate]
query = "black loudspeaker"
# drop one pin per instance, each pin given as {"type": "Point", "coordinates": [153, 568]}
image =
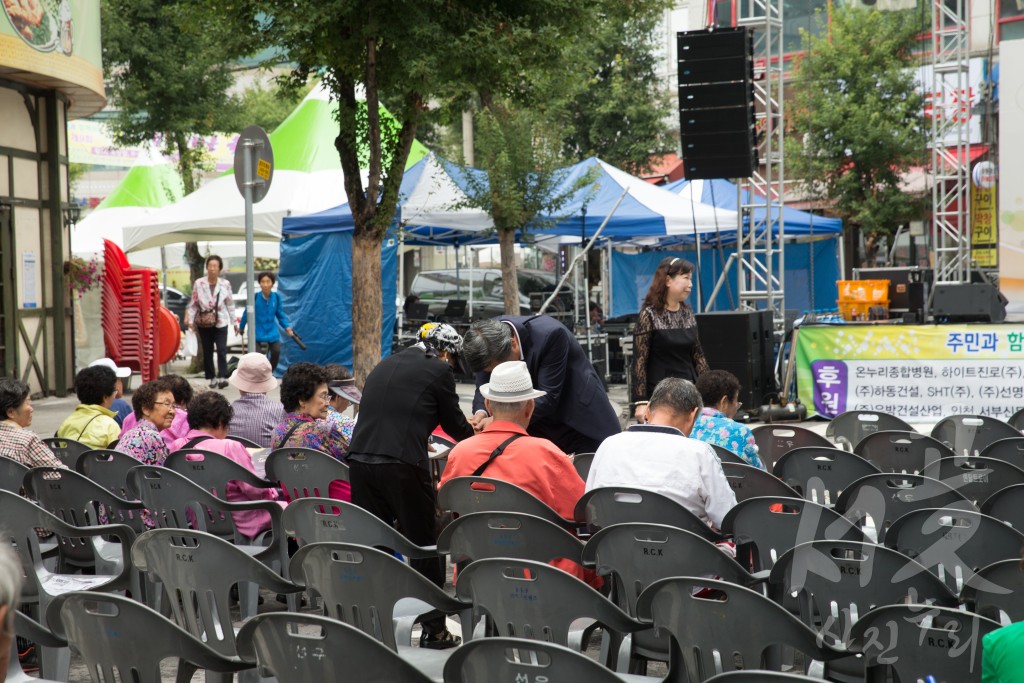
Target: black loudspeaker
{"type": "Point", "coordinates": [743, 343]}
{"type": "Point", "coordinates": [974, 302]}
{"type": "Point", "coordinates": [716, 103]}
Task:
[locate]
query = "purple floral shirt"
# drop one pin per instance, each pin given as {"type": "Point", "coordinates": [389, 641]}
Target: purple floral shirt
{"type": "Point", "coordinates": [715, 428]}
{"type": "Point", "coordinates": [144, 443]}
{"type": "Point", "coordinates": [345, 423]}
{"type": "Point", "coordinates": [321, 435]}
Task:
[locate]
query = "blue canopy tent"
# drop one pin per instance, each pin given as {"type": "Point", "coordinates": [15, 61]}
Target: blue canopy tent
{"type": "Point", "coordinates": [316, 286]}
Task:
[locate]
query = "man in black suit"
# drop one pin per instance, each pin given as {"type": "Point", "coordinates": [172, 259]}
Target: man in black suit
{"type": "Point", "coordinates": [575, 413]}
{"type": "Point", "coordinates": [405, 397]}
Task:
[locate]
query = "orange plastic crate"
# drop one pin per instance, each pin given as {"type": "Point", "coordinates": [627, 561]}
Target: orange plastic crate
{"type": "Point", "coordinates": [863, 291]}
{"type": "Point", "coordinates": [860, 310]}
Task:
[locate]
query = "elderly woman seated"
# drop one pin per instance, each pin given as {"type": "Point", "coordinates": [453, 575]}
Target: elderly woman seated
{"type": "Point", "coordinates": [182, 391]}
{"type": "Point", "coordinates": [208, 418]}
{"type": "Point", "coordinates": [720, 391]}
{"type": "Point", "coordinates": [92, 421]}
{"type": "Point", "coordinates": [153, 406]}
{"type": "Point", "coordinates": [17, 441]}
{"type": "Point", "coordinates": [305, 397]}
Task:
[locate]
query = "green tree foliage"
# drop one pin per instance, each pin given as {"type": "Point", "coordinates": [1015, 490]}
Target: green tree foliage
{"type": "Point", "coordinates": [418, 58]}
{"type": "Point", "coordinates": [856, 119]}
{"type": "Point", "coordinates": [263, 105]}
{"type": "Point", "coordinates": [522, 156]}
{"type": "Point", "coordinates": [619, 110]}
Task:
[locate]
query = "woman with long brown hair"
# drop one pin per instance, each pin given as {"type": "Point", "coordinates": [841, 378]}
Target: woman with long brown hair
{"type": "Point", "coordinates": [665, 342]}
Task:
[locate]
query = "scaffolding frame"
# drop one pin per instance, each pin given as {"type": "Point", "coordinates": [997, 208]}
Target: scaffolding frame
{"type": "Point", "coordinates": [950, 108]}
{"type": "Point", "coordinates": [759, 256]}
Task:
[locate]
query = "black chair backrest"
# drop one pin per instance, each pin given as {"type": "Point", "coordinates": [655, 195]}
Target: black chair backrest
{"type": "Point", "coordinates": [775, 440]}
{"type": "Point", "coordinates": [244, 441]}
{"type": "Point", "coordinates": [463, 495]}
{"type": "Point", "coordinates": [752, 482]}
{"type": "Point", "coordinates": [725, 455]}
{"type": "Point", "coordinates": [109, 469]}
{"type": "Point", "coordinates": [971, 434]}
{"type": "Point", "coordinates": [996, 592]}
{"type": "Point", "coordinates": [821, 474]}
{"type": "Point", "coordinates": [1017, 420]}
{"type": "Point", "coordinates": [582, 463]}
{"type": "Point", "coordinates": [849, 428]}
{"type": "Point", "coordinates": [304, 472]}
{"type": "Point", "coordinates": [976, 478]}
{"type": "Point", "coordinates": [212, 470]}
{"type": "Point", "coordinates": [12, 475]}
{"type": "Point", "coordinates": [1009, 450]}
{"type": "Point", "coordinates": [323, 520]}
{"type": "Point", "coordinates": [886, 497]}
{"type": "Point", "coordinates": [605, 506]}
{"type": "Point", "coordinates": [480, 535]}
{"type": "Point", "coordinates": [68, 451]}
{"type": "Point", "coordinates": [516, 659]}
{"type": "Point", "coordinates": [896, 451]}
{"type": "Point", "coordinates": [1007, 505]}
{"type": "Point", "coordinates": [765, 528]}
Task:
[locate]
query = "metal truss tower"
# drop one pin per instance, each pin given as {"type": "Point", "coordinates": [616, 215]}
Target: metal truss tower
{"type": "Point", "coordinates": [759, 250]}
{"type": "Point", "coordinates": [950, 108]}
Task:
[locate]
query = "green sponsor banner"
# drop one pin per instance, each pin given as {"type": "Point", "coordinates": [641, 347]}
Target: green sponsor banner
{"type": "Point", "coordinates": [922, 372]}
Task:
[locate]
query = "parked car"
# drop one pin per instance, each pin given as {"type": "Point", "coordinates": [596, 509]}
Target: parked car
{"type": "Point", "coordinates": [436, 288]}
{"type": "Point", "coordinates": [176, 303]}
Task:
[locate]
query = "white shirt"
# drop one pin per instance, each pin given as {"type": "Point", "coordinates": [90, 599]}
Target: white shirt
{"type": "Point", "coordinates": [665, 461]}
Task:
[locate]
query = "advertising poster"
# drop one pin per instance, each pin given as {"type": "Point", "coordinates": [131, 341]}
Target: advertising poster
{"type": "Point", "coordinates": [915, 372]}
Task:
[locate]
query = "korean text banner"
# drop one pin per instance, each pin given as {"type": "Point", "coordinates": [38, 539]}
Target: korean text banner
{"type": "Point", "coordinates": [910, 371]}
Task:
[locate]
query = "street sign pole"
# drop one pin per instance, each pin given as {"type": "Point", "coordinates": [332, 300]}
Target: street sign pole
{"type": "Point", "coordinates": [254, 170]}
{"type": "Point", "coordinates": [250, 266]}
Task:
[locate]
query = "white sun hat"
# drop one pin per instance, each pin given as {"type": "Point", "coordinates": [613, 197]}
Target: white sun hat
{"type": "Point", "coordinates": [510, 383]}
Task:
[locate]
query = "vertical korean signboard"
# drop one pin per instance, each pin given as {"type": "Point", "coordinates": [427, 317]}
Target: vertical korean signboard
{"type": "Point", "coordinates": [984, 229]}
{"type": "Point", "coordinates": [912, 371]}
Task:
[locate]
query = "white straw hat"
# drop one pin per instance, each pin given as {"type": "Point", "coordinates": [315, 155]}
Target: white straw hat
{"type": "Point", "coordinates": [510, 383]}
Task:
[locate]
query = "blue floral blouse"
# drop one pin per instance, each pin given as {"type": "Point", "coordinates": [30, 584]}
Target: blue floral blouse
{"type": "Point", "coordinates": [714, 427]}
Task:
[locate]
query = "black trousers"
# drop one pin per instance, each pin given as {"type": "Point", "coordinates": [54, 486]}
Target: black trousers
{"type": "Point", "coordinates": [403, 496]}
{"type": "Point", "coordinates": [273, 351]}
{"type": "Point", "coordinates": [214, 336]}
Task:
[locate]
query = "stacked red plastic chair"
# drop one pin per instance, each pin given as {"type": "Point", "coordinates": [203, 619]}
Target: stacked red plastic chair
{"type": "Point", "coordinates": [131, 303]}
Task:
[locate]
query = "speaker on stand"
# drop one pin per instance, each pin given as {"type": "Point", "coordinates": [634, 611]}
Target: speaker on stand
{"type": "Point", "coordinates": [716, 103]}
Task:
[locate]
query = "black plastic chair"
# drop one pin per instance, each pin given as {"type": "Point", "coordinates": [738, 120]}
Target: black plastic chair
{"type": "Point", "coordinates": [976, 478]}
{"type": "Point", "coordinates": [901, 452]}
{"type": "Point", "coordinates": [1017, 420]}
{"type": "Point", "coordinates": [953, 544]}
{"type": "Point", "coordinates": [1007, 505]}
{"type": "Point", "coordinates": [248, 443]}
{"type": "Point", "coordinates": [463, 495]}
{"type": "Point", "coordinates": [775, 440]}
{"type": "Point", "coordinates": [117, 636]}
{"type": "Point", "coordinates": [971, 434]}
{"type": "Point", "coordinates": [516, 659]}
{"type": "Point", "coordinates": [887, 497]}
{"type": "Point", "coordinates": [31, 630]}
{"type": "Point", "coordinates": [996, 592]}
{"type": "Point", "coordinates": [914, 640]}
{"type": "Point", "coordinates": [109, 469]}
{"type": "Point", "coordinates": [725, 455]}
{"type": "Point", "coordinates": [582, 463]}
{"type": "Point", "coordinates": [480, 535]}
{"type": "Point", "coordinates": [372, 591]}
{"type": "Point", "coordinates": [608, 505]}
{"type": "Point", "coordinates": [756, 676]}
{"type": "Point", "coordinates": [12, 475]}
{"type": "Point", "coordinates": [752, 482]}
{"type": "Point", "coordinates": [821, 474]}
{"type": "Point", "coordinates": [325, 520]}
{"type": "Point", "coordinates": [537, 601]}
{"type": "Point", "coordinates": [633, 556]}
{"type": "Point", "coordinates": [306, 647]}
{"type": "Point", "coordinates": [1007, 450]}
{"type": "Point", "coordinates": [68, 451]}
{"type": "Point", "coordinates": [304, 472]}
{"type": "Point", "coordinates": [719, 626]}
{"type": "Point", "coordinates": [836, 581]}
{"type": "Point", "coordinates": [176, 502]}
{"type": "Point", "coordinates": [849, 428]}
{"type": "Point", "coordinates": [765, 528]}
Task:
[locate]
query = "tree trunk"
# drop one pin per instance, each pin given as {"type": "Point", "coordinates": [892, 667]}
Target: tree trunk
{"type": "Point", "coordinates": [509, 280]}
{"type": "Point", "coordinates": [367, 318]}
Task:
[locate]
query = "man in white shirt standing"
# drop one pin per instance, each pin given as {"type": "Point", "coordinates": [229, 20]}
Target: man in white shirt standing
{"type": "Point", "coordinates": [660, 457]}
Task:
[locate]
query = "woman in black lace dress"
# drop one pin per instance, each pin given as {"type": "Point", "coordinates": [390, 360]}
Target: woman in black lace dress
{"type": "Point", "coordinates": [665, 342]}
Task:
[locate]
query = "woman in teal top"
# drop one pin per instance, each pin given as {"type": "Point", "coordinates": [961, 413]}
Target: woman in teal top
{"type": "Point", "coordinates": [269, 314]}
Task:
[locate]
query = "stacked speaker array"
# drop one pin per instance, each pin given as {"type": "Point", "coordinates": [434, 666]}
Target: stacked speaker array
{"type": "Point", "coordinates": [743, 343]}
{"type": "Point", "coordinates": [716, 103]}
